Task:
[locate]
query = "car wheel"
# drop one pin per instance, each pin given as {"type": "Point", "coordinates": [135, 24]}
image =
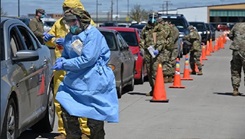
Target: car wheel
{"type": "Point", "coordinates": [120, 88]}
{"type": "Point", "coordinates": [46, 124]}
{"type": "Point", "coordinates": [130, 87]}
{"type": "Point", "coordinates": [142, 77]}
{"type": "Point", "coordinates": [9, 128]}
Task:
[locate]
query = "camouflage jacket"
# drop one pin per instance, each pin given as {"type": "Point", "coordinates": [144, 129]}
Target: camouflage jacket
{"type": "Point", "coordinates": [237, 35]}
{"type": "Point", "coordinates": [146, 40]}
{"type": "Point", "coordinates": [162, 35]}
{"type": "Point", "coordinates": [37, 28]}
{"type": "Point", "coordinates": [146, 37]}
{"type": "Point", "coordinates": [175, 36]}
{"type": "Point", "coordinates": [194, 38]}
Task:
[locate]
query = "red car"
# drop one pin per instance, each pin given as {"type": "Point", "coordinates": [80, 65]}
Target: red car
{"type": "Point", "coordinates": [221, 27]}
{"type": "Point", "coordinates": [131, 36]}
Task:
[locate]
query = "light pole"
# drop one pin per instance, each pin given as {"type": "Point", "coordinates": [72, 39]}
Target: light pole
{"type": "Point", "coordinates": [97, 9]}
{"type": "Point", "coordinates": [128, 8]}
{"type": "Point", "coordinates": [117, 10]}
{"type": "Point", "coordinates": [18, 8]}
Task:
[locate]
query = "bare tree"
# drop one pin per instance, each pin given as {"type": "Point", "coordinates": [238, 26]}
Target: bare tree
{"type": "Point", "coordinates": [138, 14]}
{"type": "Point", "coordinates": [2, 12]}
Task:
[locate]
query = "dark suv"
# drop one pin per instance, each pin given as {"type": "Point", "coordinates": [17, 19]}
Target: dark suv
{"type": "Point", "coordinates": [181, 23]}
{"type": "Point", "coordinates": [202, 29]}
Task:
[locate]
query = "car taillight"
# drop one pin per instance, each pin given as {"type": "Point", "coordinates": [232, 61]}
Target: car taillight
{"type": "Point", "coordinates": [113, 67]}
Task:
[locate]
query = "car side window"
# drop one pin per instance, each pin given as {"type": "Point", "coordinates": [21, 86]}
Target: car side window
{"type": "Point", "coordinates": [119, 41]}
{"type": "Point", "coordinates": [123, 41]}
{"type": "Point", "coordinates": [15, 42]}
{"type": "Point", "coordinates": [28, 40]}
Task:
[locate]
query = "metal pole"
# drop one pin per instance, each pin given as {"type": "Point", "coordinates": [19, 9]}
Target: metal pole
{"type": "Point", "coordinates": [117, 10]}
{"type": "Point", "coordinates": [128, 8]}
{"type": "Point", "coordinates": [18, 8]}
{"type": "Point", "coordinates": [97, 11]}
{"type": "Point", "coordinates": [111, 10]}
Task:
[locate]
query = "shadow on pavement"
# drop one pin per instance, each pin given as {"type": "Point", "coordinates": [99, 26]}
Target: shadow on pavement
{"type": "Point", "coordinates": [137, 93]}
{"type": "Point", "coordinates": [29, 134]}
{"type": "Point", "coordinates": [227, 94]}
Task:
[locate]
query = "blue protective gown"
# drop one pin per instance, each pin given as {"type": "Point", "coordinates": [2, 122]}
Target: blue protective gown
{"type": "Point", "coordinates": [88, 89]}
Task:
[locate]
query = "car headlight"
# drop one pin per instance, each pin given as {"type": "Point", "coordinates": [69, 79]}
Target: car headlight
{"type": "Point", "coordinates": [113, 67]}
{"type": "Point", "coordinates": [135, 56]}
{"type": "Point", "coordinates": [204, 32]}
{"type": "Point", "coordinates": [181, 34]}
{"type": "Point", "coordinates": [199, 32]}
{"type": "Point", "coordinates": [208, 32]}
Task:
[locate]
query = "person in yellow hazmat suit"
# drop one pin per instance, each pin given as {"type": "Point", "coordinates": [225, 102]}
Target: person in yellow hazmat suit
{"type": "Point", "coordinates": [54, 38]}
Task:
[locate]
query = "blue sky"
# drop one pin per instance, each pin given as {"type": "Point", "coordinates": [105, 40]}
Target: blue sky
{"type": "Point", "coordinates": [55, 6]}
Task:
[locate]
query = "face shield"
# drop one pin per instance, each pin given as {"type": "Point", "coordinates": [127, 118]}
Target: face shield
{"type": "Point", "coordinates": [152, 18]}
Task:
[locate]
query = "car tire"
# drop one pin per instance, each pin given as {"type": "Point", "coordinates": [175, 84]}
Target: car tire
{"type": "Point", "coordinates": [130, 87]}
{"type": "Point", "coordinates": [46, 124]}
{"type": "Point", "coordinates": [10, 125]}
{"type": "Point", "coordinates": [120, 88]}
{"type": "Point", "coordinates": [142, 77]}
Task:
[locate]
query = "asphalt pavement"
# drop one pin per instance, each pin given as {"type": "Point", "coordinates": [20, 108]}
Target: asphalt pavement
{"type": "Point", "coordinates": [205, 109]}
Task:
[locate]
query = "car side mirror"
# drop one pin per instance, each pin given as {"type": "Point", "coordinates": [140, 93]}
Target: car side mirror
{"type": "Point", "coordinates": [26, 55]}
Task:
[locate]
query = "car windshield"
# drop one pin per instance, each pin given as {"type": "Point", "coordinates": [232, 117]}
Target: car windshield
{"type": "Point", "coordinates": [110, 39]}
{"type": "Point", "coordinates": [178, 23]}
{"type": "Point", "coordinates": [130, 38]}
{"type": "Point", "coordinates": [1, 43]}
{"type": "Point", "coordinates": [49, 23]}
{"type": "Point", "coordinates": [199, 26]}
{"type": "Point", "coordinates": [138, 26]}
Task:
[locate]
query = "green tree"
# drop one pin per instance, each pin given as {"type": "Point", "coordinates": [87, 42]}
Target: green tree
{"type": "Point", "coordinates": [2, 12]}
{"type": "Point", "coordinates": [138, 14]}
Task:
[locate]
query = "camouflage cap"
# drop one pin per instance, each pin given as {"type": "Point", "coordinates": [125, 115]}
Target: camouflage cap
{"type": "Point", "coordinates": [40, 11]}
{"type": "Point", "coordinates": [78, 13]}
{"type": "Point", "coordinates": [191, 27]}
{"type": "Point", "coordinates": [159, 19]}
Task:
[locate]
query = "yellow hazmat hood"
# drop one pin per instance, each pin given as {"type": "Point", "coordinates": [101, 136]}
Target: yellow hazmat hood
{"type": "Point", "coordinates": [73, 4]}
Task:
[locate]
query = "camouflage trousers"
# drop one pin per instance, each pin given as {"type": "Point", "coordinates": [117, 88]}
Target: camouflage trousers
{"type": "Point", "coordinates": [152, 65]}
{"type": "Point", "coordinates": [173, 57]}
{"type": "Point", "coordinates": [73, 131]}
{"type": "Point", "coordinates": [195, 59]}
{"type": "Point", "coordinates": [237, 63]}
{"type": "Point", "coordinates": [166, 62]}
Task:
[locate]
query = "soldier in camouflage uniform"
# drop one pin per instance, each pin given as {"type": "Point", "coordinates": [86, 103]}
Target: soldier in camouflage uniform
{"type": "Point", "coordinates": [195, 51]}
{"type": "Point", "coordinates": [174, 50]}
{"type": "Point", "coordinates": [146, 41]}
{"type": "Point", "coordinates": [237, 35]}
{"type": "Point", "coordinates": [36, 25]}
{"type": "Point", "coordinates": [167, 66]}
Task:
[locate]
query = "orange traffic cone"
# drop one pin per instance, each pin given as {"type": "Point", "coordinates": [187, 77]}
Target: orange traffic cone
{"type": "Point", "coordinates": [196, 68]}
{"type": "Point", "coordinates": [207, 49]}
{"type": "Point", "coordinates": [216, 47]}
{"type": "Point", "coordinates": [186, 75]}
{"type": "Point", "coordinates": [42, 86]}
{"type": "Point", "coordinates": [211, 46]}
{"type": "Point", "coordinates": [159, 94]}
{"type": "Point", "coordinates": [222, 42]}
{"type": "Point", "coordinates": [203, 57]}
{"type": "Point", "coordinates": [177, 81]}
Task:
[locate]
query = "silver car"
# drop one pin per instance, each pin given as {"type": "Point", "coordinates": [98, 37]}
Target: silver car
{"type": "Point", "coordinates": [26, 81]}
{"type": "Point", "coordinates": [121, 61]}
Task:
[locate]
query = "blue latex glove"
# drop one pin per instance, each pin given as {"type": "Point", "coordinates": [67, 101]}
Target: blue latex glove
{"type": "Point", "coordinates": [61, 59]}
{"type": "Point", "coordinates": [47, 37]}
{"type": "Point", "coordinates": [156, 52]}
{"type": "Point", "coordinates": [58, 66]}
{"type": "Point", "coordinates": [60, 41]}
